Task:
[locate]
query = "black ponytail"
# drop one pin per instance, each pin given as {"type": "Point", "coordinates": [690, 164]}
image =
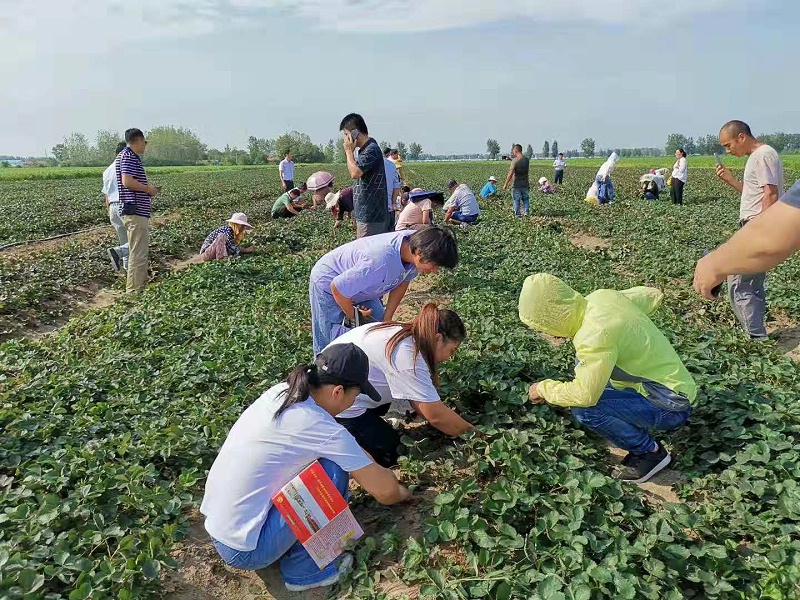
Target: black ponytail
{"type": "Point", "coordinates": [302, 380]}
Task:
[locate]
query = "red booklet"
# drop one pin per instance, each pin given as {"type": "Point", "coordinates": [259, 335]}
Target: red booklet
{"type": "Point", "coordinates": [317, 514]}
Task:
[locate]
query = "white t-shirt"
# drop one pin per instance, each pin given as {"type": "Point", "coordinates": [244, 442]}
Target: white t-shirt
{"type": "Point", "coordinates": [110, 188]}
{"type": "Point", "coordinates": [559, 164]}
{"type": "Point", "coordinates": [262, 454]}
{"type": "Point", "coordinates": [403, 378]}
{"type": "Point", "coordinates": [680, 170]}
{"type": "Point", "coordinates": [286, 168]}
{"type": "Point", "coordinates": [764, 167]}
{"type": "Point", "coordinates": [392, 181]}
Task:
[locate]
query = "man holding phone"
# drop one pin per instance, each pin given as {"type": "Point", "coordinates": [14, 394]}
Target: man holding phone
{"type": "Point", "coordinates": [369, 177]}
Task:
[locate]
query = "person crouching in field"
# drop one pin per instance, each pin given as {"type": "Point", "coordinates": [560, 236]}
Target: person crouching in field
{"type": "Point", "coordinates": [628, 378]}
{"type": "Point", "coordinates": [489, 189]}
{"type": "Point", "coordinates": [320, 184]}
{"type": "Point", "coordinates": [288, 205]}
{"type": "Point", "coordinates": [403, 363]}
{"type": "Point", "coordinates": [462, 206]}
{"type": "Point", "coordinates": [340, 203]}
{"type": "Point", "coordinates": [356, 275]}
{"type": "Point", "coordinates": [290, 426]}
{"type": "Point", "coordinates": [224, 241]}
{"type": "Point", "coordinates": [545, 186]}
{"type": "Point", "coordinates": [419, 211]}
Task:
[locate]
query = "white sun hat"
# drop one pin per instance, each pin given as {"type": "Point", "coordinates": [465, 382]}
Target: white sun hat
{"type": "Point", "coordinates": [493, 178]}
{"type": "Point", "coordinates": [240, 219]}
{"type": "Point", "coordinates": [542, 180]}
{"type": "Point", "coordinates": [331, 199]}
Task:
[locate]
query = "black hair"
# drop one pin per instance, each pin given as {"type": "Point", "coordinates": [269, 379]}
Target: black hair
{"type": "Point", "coordinates": [302, 380]}
{"type": "Point", "coordinates": [561, 154]}
{"type": "Point", "coordinates": [682, 151]}
{"type": "Point", "coordinates": [387, 152]}
{"type": "Point", "coordinates": [133, 134]}
{"type": "Point", "coordinates": [120, 147]}
{"type": "Point", "coordinates": [435, 245]}
{"type": "Point", "coordinates": [354, 121]}
{"type": "Point", "coordinates": [406, 188]}
{"type": "Point", "coordinates": [734, 128]}
{"type": "Point", "coordinates": [518, 147]}
{"type": "Point", "coordinates": [288, 152]}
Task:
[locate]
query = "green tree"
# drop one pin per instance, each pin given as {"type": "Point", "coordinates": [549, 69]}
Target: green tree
{"type": "Point", "coordinates": [330, 151]}
{"type": "Point", "coordinates": [59, 152]}
{"type": "Point", "coordinates": [492, 148]}
{"type": "Point", "coordinates": [303, 149]}
{"type": "Point", "coordinates": [401, 149]}
{"type": "Point", "coordinates": [77, 151]}
{"type": "Point", "coordinates": [4, 164]}
{"type": "Point", "coordinates": [414, 151]}
{"type": "Point", "coordinates": [554, 148]}
{"type": "Point", "coordinates": [545, 149]}
{"type": "Point", "coordinates": [587, 147]}
{"type": "Point", "coordinates": [529, 151]}
{"type": "Point", "coordinates": [385, 146]}
{"type": "Point", "coordinates": [168, 145]}
{"type": "Point", "coordinates": [675, 141]}
{"type": "Point", "coordinates": [779, 140]}
{"type": "Point", "coordinates": [105, 146]}
{"type": "Point", "coordinates": [338, 154]}
{"type": "Point", "coordinates": [259, 149]}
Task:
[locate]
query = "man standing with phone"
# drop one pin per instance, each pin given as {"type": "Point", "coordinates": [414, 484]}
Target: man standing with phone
{"type": "Point", "coordinates": [135, 204]}
{"type": "Point", "coordinates": [369, 177]}
{"type": "Point", "coordinates": [760, 188]}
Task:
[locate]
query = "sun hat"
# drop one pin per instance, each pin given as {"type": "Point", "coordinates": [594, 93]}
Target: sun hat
{"type": "Point", "coordinates": [240, 219]}
{"type": "Point", "coordinates": [493, 178]}
{"type": "Point", "coordinates": [349, 363]}
{"type": "Point", "coordinates": [332, 199]}
{"type": "Point", "coordinates": [452, 183]}
{"type": "Point", "coordinates": [542, 180]}
{"type": "Point", "coordinates": [319, 180]}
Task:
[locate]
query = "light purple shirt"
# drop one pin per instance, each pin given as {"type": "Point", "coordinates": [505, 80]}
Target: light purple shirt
{"type": "Point", "coordinates": [366, 268]}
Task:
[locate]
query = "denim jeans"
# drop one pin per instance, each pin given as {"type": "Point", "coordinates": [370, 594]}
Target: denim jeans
{"type": "Point", "coordinates": [457, 216]}
{"type": "Point", "coordinates": [521, 196]}
{"type": "Point", "coordinates": [327, 316]}
{"type": "Point", "coordinates": [625, 417]}
{"type": "Point", "coordinates": [559, 178]}
{"type": "Point", "coordinates": [277, 542]}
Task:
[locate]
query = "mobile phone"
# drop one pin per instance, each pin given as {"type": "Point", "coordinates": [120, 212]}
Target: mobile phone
{"type": "Point", "coordinates": [718, 159]}
{"type": "Point", "coordinates": [354, 133]}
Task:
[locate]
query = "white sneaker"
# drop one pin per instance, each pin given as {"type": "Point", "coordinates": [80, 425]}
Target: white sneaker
{"type": "Point", "coordinates": [344, 566]}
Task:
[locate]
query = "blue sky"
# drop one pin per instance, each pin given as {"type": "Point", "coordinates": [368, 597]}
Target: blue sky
{"type": "Point", "coordinates": [447, 74]}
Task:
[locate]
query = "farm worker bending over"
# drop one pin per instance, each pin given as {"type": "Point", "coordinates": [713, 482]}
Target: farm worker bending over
{"type": "Point", "coordinates": [360, 272]}
{"type": "Point", "coordinates": [290, 426]}
{"type": "Point", "coordinates": [225, 241]}
{"type": "Point", "coordinates": [602, 189]}
{"type": "Point", "coordinates": [340, 203]}
{"type": "Point", "coordinates": [320, 184]}
{"type": "Point", "coordinates": [403, 361]}
{"type": "Point", "coordinates": [628, 378]}
{"type": "Point", "coordinates": [545, 186]}
{"type": "Point", "coordinates": [462, 205]}
{"type": "Point", "coordinates": [287, 205]}
{"type": "Point", "coordinates": [418, 213]}
{"type": "Point", "coordinates": [489, 188]}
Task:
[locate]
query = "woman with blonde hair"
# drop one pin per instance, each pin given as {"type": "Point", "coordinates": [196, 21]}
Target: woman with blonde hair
{"type": "Point", "coordinates": [403, 367]}
{"type": "Point", "coordinates": [225, 240]}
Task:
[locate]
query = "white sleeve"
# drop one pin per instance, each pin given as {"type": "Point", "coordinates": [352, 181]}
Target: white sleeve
{"type": "Point", "coordinates": [412, 384]}
{"type": "Point", "coordinates": [343, 449]}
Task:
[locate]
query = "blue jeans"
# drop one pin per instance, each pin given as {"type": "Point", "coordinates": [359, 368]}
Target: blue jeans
{"type": "Point", "coordinates": [625, 417]}
{"type": "Point", "coordinates": [522, 196]}
{"type": "Point", "coordinates": [277, 542]}
{"type": "Point", "coordinates": [457, 216]}
{"type": "Point", "coordinates": [327, 316]}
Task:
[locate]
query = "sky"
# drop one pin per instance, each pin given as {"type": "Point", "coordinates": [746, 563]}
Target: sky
{"type": "Point", "coordinates": [448, 74]}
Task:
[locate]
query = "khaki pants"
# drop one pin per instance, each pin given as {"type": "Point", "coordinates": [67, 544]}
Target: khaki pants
{"type": "Point", "coordinates": [138, 229]}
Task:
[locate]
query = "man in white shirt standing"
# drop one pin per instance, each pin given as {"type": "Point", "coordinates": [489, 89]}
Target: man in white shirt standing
{"type": "Point", "coordinates": [119, 254]}
{"type": "Point", "coordinates": [393, 189]}
{"type": "Point", "coordinates": [760, 188]}
{"type": "Point", "coordinates": [286, 169]}
{"type": "Point", "coordinates": [559, 164]}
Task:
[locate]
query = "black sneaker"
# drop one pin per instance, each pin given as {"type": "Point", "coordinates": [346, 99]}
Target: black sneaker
{"type": "Point", "coordinates": [116, 260]}
{"type": "Point", "coordinates": [639, 468]}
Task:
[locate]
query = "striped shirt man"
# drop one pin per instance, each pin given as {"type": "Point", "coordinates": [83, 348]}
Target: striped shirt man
{"type": "Point", "coordinates": [129, 163]}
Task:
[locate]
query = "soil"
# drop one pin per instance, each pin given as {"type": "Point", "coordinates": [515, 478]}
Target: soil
{"type": "Point", "coordinates": [660, 486]}
{"type": "Point", "coordinates": [589, 242]}
{"type": "Point", "coordinates": [786, 334]}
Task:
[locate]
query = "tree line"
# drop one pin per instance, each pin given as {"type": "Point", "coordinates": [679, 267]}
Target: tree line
{"type": "Point", "coordinates": [168, 145]}
{"type": "Point", "coordinates": [785, 143]}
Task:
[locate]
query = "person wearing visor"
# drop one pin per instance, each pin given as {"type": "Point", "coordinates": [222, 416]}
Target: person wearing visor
{"type": "Point", "coordinates": [287, 428]}
{"type": "Point", "coordinates": [628, 378]}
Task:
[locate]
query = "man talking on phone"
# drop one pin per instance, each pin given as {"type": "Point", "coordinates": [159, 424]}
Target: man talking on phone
{"type": "Point", "coordinates": [369, 177]}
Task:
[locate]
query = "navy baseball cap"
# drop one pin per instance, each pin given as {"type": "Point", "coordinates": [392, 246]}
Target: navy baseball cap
{"type": "Point", "coordinates": [349, 364]}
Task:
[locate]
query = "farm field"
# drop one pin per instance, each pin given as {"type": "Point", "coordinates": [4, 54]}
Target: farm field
{"type": "Point", "coordinates": [110, 422]}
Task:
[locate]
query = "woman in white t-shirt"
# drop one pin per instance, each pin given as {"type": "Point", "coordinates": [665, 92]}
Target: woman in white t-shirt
{"type": "Point", "coordinates": [290, 426]}
{"type": "Point", "coordinates": [403, 361]}
{"type": "Point", "coordinates": [680, 174]}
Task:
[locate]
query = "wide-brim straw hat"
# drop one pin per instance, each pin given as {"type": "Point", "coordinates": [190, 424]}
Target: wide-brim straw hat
{"type": "Point", "coordinates": [542, 180]}
{"type": "Point", "coordinates": [493, 178]}
{"type": "Point", "coordinates": [331, 199]}
{"type": "Point", "coordinates": [240, 219]}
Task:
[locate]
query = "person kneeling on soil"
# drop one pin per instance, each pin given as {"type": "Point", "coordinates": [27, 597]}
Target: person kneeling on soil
{"type": "Point", "coordinates": [288, 205]}
{"type": "Point", "coordinates": [403, 361]}
{"type": "Point", "coordinates": [290, 426]}
{"type": "Point", "coordinates": [358, 274]}
{"type": "Point", "coordinates": [462, 205]}
{"type": "Point", "coordinates": [545, 186]}
{"type": "Point", "coordinates": [628, 378]}
{"type": "Point", "coordinates": [224, 241]}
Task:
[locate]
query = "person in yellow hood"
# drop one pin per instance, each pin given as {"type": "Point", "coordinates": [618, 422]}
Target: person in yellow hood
{"type": "Point", "coordinates": [628, 378]}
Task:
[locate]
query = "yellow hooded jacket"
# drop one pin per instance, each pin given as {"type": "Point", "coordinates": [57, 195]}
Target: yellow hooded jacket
{"type": "Point", "coordinates": [614, 341]}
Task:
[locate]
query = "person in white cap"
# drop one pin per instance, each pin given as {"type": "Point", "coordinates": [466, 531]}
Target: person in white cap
{"type": "Point", "coordinates": [224, 241]}
{"type": "Point", "coordinates": [489, 189]}
{"type": "Point", "coordinates": [545, 186]}
{"type": "Point", "coordinates": [320, 184]}
{"type": "Point", "coordinates": [339, 203]}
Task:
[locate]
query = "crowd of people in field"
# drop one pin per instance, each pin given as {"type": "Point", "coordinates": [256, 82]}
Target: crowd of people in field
{"type": "Point", "coordinates": [629, 383]}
